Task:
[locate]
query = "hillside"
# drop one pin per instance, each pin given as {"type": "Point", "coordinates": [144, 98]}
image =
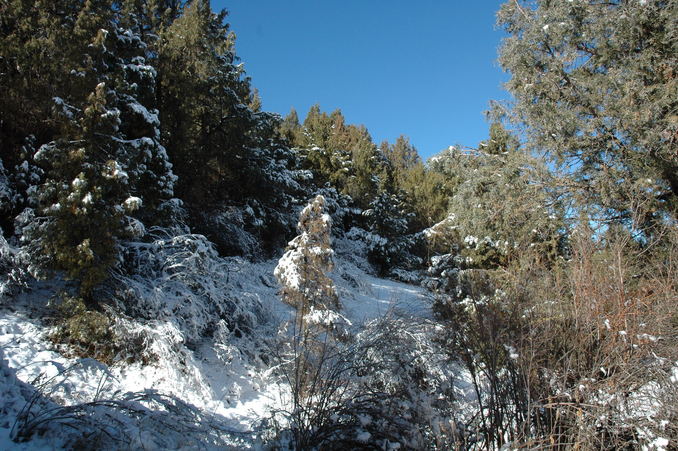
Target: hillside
{"type": "Point", "coordinates": [216, 392]}
{"type": "Point", "coordinates": [181, 269]}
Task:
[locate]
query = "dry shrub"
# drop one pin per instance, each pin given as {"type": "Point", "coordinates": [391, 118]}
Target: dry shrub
{"type": "Point", "coordinates": [598, 340]}
{"type": "Point", "coordinates": [578, 351]}
{"type": "Point", "coordinates": [384, 388]}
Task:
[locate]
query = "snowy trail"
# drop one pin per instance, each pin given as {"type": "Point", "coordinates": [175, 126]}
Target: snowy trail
{"type": "Point", "coordinates": [375, 297]}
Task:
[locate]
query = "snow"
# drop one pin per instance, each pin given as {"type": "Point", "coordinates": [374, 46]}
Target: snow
{"type": "Point", "coordinates": [324, 317]}
{"type": "Point", "coordinates": [115, 171]}
{"type": "Point", "coordinates": [647, 337]}
{"type": "Point", "coordinates": [149, 117]}
{"type": "Point", "coordinates": [660, 443]}
{"type": "Point", "coordinates": [363, 436]}
{"type": "Point", "coordinates": [236, 394]}
{"type": "Point", "coordinates": [287, 269]}
{"type": "Point", "coordinates": [132, 203]}
{"type": "Point", "coordinates": [369, 297]}
{"type": "Point", "coordinates": [223, 382]}
{"type": "Point", "coordinates": [471, 240]}
{"type": "Point", "coordinates": [219, 376]}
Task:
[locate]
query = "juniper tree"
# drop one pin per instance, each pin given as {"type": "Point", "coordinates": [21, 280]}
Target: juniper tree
{"type": "Point", "coordinates": [500, 206]}
{"type": "Point", "coordinates": [302, 270]}
{"type": "Point", "coordinates": [595, 85]}
{"type": "Point", "coordinates": [425, 191]}
{"type": "Point", "coordinates": [290, 128]}
{"type": "Point", "coordinates": [339, 153]}
{"type": "Point", "coordinates": [402, 155]}
{"type": "Point", "coordinates": [106, 162]}
{"type": "Point", "coordinates": [302, 274]}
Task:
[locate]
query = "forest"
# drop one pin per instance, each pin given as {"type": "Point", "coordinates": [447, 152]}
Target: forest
{"type": "Point", "coordinates": [182, 270]}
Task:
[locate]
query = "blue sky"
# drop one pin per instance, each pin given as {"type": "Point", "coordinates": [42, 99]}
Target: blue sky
{"type": "Point", "coordinates": [425, 69]}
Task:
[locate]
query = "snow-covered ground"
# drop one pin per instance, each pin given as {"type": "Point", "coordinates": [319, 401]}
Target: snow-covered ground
{"type": "Point", "coordinates": [218, 378]}
{"type": "Point", "coordinates": [216, 392]}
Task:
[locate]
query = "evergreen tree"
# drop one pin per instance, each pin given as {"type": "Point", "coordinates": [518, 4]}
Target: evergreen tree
{"type": "Point", "coordinates": [226, 153]}
{"type": "Point", "coordinates": [202, 97]}
{"type": "Point", "coordinates": [37, 53]}
{"type": "Point", "coordinates": [340, 154]}
{"type": "Point", "coordinates": [595, 85]}
{"type": "Point", "coordinates": [106, 161]}
{"type": "Point", "coordinates": [290, 128]}
{"type": "Point", "coordinates": [302, 271]}
{"type": "Point", "coordinates": [428, 193]}
{"type": "Point", "coordinates": [500, 141]}
{"type": "Point", "coordinates": [317, 129]}
{"type": "Point", "coordinates": [499, 208]}
{"type": "Point", "coordinates": [425, 190]}
{"type": "Point", "coordinates": [325, 147]}
{"type": "Point", "coordinates": [389, 242]}
{"type": "Point", "coordinates": [403, 156]}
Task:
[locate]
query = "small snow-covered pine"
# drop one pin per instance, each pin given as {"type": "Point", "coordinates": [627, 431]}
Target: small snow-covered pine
{"type": "Point", "coordinates": [302, 270]}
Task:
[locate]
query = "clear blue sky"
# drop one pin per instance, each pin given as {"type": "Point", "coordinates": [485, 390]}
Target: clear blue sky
{"type": "Point", "coordinates": [425, 69]}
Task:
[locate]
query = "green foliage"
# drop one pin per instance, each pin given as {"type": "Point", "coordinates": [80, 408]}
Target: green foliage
{"type": "Point", "coordinates": [91, 333]}
{"type": "Point", "coordinates": [290, 128]}
{"type": "Point", "coordinates": [205, 124]}
{"type": "Point", "coordinates": [402, 155]}
{"type": "Point", "coordinates": [325, 139]}
{"type": "Point", "coordinates": [32, 63]}
{"type": "Point", "coordinates": [501, 141]}
{"type": "Point", "coordinates": [426, 191]}
{"type": "Point", "coordinates": [226, 152]}
{"type": "Point", "coordinates": [388, 221]}
{"type": "Point", "coordinates": [500, 207]}
{"type": "Point", "coordinates": [338, 153]}
{"type": "Point", "coordinates": [595, 86]}
{"type": "Point", "coordinates": [345, 157]}
{"type": "Point", "coordinates": [104, 161]}
{"type": "Point", "coordinates": [88, 333]}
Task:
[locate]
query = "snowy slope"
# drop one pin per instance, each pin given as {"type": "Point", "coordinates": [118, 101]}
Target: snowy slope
{"type": "Point", "coordinates": [221, 381]}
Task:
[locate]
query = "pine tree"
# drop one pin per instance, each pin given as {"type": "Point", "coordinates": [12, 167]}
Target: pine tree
{"type": "Point", "coordinates": [499, 207]}
{"type": "Point", "coordinates": [323, 144]}
{"type": "Point", "coordinates": [388, 221]}
{"type": "Point", "coordinates": [500, 141]}
{"type": "Point", "coordinates": [225, 151]}
{"type": "Point", "coordinates": [36, 48]}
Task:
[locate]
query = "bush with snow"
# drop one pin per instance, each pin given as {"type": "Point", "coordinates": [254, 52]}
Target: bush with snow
{"type": "Point", "coordinates": [181, 279]}
{"type": "Point", "coordinates": [132, 420]}
{"type": "Point", "coordinates": [388, 388]}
